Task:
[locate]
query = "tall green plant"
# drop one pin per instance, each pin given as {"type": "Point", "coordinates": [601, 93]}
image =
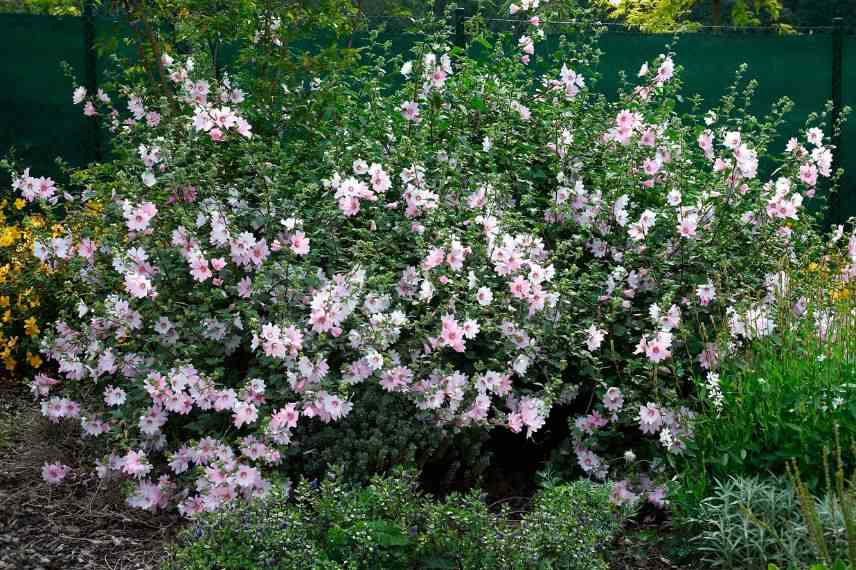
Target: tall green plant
{"type": "Point", "coordinates": [780, 398]}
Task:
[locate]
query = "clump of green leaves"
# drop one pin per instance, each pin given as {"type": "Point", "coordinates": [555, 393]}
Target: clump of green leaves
{"type": "Point", "coordinates": [390, 524]}
{"type": "Point", "coordinates": [383, 430]}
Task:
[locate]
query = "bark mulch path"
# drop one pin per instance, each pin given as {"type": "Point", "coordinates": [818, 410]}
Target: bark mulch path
{"type": "Point", "coordinates": [81, 524]}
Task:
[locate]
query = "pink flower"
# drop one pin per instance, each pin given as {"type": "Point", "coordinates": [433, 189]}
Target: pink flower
{"type": "Point", "coordinates": [656, 349]}
{"type": "Point", "coordinates": [626, 120]}
{"type": "Point", "coordinates": [245, 413]}
{"type": "Point", "coordinates": [138, 218]}
{"type": "Point", "coordinates": [706, 293]}
{"type": "Point", "coordinates": [114, 396]}
{"type": "Point", "coordinates": [484, 296]}
{"type": "Point", "coordinates": [245, 288]}
{"type": "Point", "coordinates": [595, 337]}
{"type": "Point", "coordinates": [815, 136]}
{"type": "Point", "coordinates": [470, 328]}
{"type": "Point", "coordinates": [687, 226]}
{"type": "Point", "coordinates": [455, 258]}
{"type": "Point", "coordinates": [520, 287]}
{"type": "Point", "coordinates": [613, 400]}
{"type": "Point", "coordinates": [78, 95]}
{"type": "Point", "coordinates": [808, 174]}
{"type": "Point", "coordinates": [651, 166]}
{"type": "Point", "coordinates": [199, 268]}
{"type": "Point", "coordinates": [136, 464]}
{"type": "Point", "coordinates": [54, 473]}
{"type": "Point", "coordinates": [622, 495]}
{"type": "Point", "coordinates": [665, 71]}
{"type": "Point", "coordinates": [589, 461]}
{"type": "Point", "coordinates": [299, 243]}
{"type": "Point", "coordinates": [247, 476]}
{"type": "Point", "coordinates": [138, 285]}
{"type": "Point", "coordinates": [452, 335]}
{"type": "Point", "coordinates": [650, 418]}
{"type": "Point", "coordinates": [286, 417]}
{"type": "Point", "coordinates": [410, 111]}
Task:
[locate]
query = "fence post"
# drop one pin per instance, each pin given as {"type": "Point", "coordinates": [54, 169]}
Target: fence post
{"type": "Point", "coordinates": [460, 38]}
{"type": "Point", "coordinates": [835, 214]}
{"type": "Point", "coordinates": [90, 79]}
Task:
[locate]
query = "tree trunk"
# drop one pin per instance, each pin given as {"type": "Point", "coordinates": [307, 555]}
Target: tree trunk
{"type": "Point", "coordinates": [717, 13]}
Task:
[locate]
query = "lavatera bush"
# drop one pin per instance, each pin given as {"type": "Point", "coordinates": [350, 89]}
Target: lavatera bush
{"type": "Point", "coordinates": [490, 240]}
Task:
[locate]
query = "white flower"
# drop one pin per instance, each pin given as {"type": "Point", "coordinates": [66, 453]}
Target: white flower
{"type": "Point", "coordinates": [149, 179]}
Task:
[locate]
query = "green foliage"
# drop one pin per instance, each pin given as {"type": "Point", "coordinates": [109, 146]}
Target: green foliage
{"type": "Point", "coordinates": [752, 522]}
{"type": "Point", "coordinates": [383, 430]}
{"type": "Point", "coordinates": [838, 503]}
{"type": "Point", "coordinates": [663, 16]}
{"type": "Point", "coordinates": [50, 7]}
{"type": "Point", "coordinates": [389, 524]}
{"type": "Point", "coordinates": [783, 398]}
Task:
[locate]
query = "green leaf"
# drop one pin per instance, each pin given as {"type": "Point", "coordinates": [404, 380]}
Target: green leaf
{"type": "Point", "coordinates": [439, 564]}
{"type": "Point", "coordinates": [387, 534]}
{"type": "Point", "coordinates": [478, 104]}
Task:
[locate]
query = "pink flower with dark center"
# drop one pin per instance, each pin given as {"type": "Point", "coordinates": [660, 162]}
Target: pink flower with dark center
{"type": "Point", "coordinates": [55, 473]}
{"type": "Point", "coordinates": [650, 418]}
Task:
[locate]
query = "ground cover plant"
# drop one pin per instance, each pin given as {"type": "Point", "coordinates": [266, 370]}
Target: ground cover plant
{"type": "Point", "coordinates": [390, 524]}
{"type": "Point", "coordinates": [487, 235]}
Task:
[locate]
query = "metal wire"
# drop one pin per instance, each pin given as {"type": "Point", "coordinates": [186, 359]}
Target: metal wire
{"type": "Point", "coordinates": [622, 26]}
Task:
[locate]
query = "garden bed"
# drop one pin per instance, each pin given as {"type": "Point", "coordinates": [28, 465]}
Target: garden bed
{"type": "Point", "coordinates": [82, 525]}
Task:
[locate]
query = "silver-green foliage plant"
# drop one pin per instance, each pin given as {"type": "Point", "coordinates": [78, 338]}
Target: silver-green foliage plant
{"type": "Point", "coordinates": [749, 523]}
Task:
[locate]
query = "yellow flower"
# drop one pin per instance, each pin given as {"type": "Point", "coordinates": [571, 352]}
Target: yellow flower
{"type": "Point", "coordinates": [34, 360]}
{"type": "Point", "coordinates": [8, 235]}
{"type": "Point", "coordinates": [840, 294]}
{"type": "Point", "coordinates": [10, 363]}
{"type": "Point", "coordinates": [30, 327]}
{"type": "Point", "coordinates": [4, 301]}
{"type": "Point", "coordinates": [94, 208]}
{"type": "Point", "coordinates": [20, 203]}
{"type": "Point", "coordinates": [7, 316]}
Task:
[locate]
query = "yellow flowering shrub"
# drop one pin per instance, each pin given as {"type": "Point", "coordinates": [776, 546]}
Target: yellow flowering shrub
{"type": "Point", "coordinates": [23, 288]}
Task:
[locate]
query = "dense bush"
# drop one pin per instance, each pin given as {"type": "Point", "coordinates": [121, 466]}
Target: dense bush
{"type": "Point", "coordinates": [384, 430]}
{"type": "Point", "coordinates": [486, 239]}
{"type": "Point", "coordinates": [390, 524]}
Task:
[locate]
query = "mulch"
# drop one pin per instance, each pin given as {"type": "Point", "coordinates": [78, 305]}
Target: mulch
{"type": "Point", "coordinates": [82, 523]}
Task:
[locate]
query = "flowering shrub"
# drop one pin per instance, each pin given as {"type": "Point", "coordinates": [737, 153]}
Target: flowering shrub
{"type": "Point", "coordinates": [23, 280]}
{"type": "Point", "coordinates": [487, 240]}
